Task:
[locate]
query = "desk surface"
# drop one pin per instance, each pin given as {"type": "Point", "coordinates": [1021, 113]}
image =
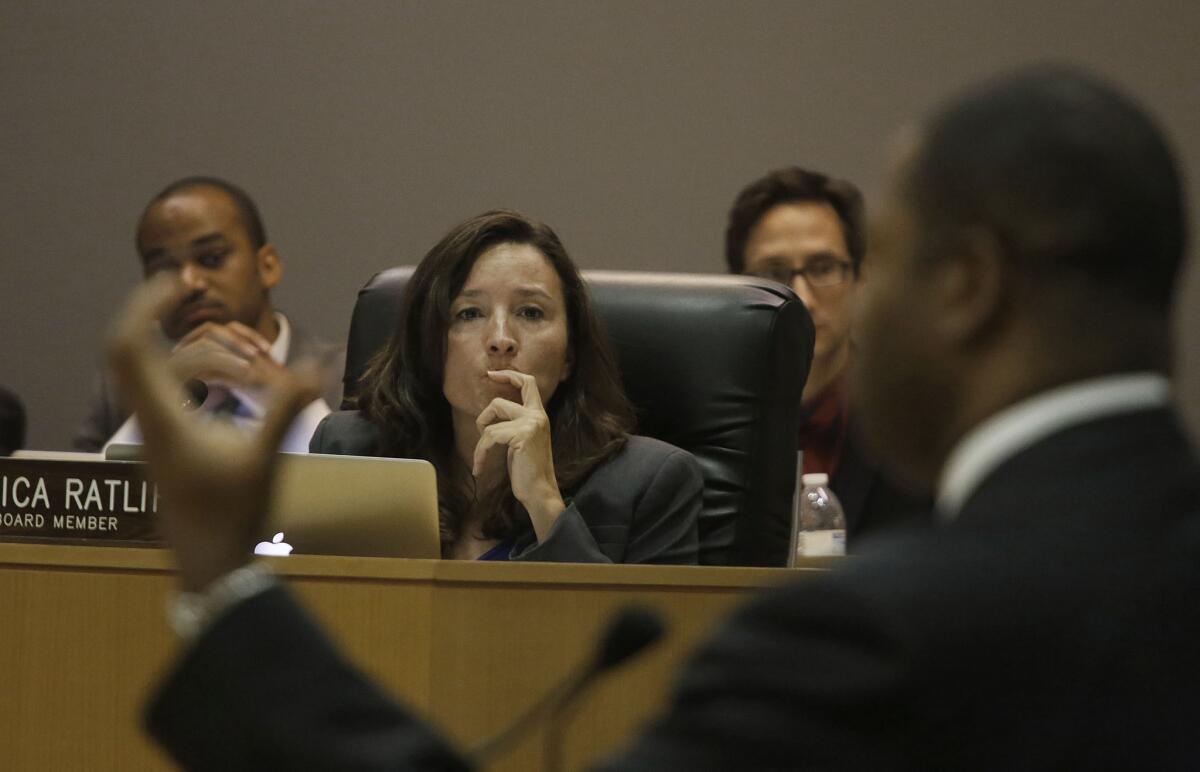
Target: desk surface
{"type": "Point", "coordinates": [466, 644]}
{"type": "Point", "coordinates": [137, 559]}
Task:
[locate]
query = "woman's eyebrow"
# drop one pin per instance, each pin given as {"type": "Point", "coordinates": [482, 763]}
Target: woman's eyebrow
{"type": "Point", "coordinates": [530, 291]}
{"type": "Point", "coordinates": [523, 291]}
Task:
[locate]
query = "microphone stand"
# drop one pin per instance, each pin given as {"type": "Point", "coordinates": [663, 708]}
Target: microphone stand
{"type": "Point", "coordinates": [630, 632]}
{"type": "Point", "coordinates": [564, 692]}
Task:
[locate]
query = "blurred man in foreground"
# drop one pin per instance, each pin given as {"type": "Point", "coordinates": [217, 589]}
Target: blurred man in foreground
{"type": "Point", "coordinates": [807, 230]}
{"type": "Point", "coordinates": [224, 331]}
{"type": "Point", "coordinates": [1014, 342]}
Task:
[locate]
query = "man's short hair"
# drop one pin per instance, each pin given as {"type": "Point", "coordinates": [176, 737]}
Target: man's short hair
{"type": "Point", "coordinates": [1072, 178]}
{"type": "Point", "coordinates": [788, 185]}
{"type": "Point", "coordinates": [245, 205]}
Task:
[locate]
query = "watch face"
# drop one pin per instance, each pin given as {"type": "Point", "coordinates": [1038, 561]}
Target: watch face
{"type": "Point", "coordinates": [186, 614]}
{"type": "Point", "coordinates": [190, 612]}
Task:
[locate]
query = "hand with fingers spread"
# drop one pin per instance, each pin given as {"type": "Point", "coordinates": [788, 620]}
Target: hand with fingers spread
{"type": "Point", "coordinates": [523, 432]}
{"type": "Point", "coordinates": [214, 480]}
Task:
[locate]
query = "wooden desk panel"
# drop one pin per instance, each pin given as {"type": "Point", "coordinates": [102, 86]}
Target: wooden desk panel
{"type": "Point", "coordinates": [468, 645]}
{"type": "Point", "coordinates": [78, 648]}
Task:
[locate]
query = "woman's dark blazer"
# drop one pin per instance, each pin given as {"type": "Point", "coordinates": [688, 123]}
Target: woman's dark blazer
{"type": "Point", "coordinates": [641, 505]}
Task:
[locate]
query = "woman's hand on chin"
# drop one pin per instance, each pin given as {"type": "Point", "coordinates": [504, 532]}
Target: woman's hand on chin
{"type": "Point", "coordinates": [525, 431]}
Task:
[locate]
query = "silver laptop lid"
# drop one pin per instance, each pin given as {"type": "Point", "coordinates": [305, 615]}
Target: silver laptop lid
{"type": "Point", "coordinates": [353, 505]}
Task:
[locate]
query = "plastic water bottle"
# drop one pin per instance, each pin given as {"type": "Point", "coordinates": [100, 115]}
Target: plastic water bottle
{"type": "Point", "coordinates": [821, 530]}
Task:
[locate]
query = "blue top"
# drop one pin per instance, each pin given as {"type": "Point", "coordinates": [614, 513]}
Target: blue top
{"type": "Point", "coordinates": [500, 552]}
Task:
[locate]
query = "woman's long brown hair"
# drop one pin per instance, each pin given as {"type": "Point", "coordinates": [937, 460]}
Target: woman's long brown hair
{"type": "Point", "coordinates": [590, 416]}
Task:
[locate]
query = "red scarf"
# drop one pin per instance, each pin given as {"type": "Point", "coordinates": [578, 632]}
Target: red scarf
{"type": "Point", "coordinates": [823, 423]}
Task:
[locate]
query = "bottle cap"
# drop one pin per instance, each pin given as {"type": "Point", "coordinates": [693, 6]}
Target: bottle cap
{"type": "Point", "coordinates": [814, 479]}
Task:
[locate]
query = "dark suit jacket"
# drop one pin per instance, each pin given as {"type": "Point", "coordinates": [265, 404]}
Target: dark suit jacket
{"type": "Point", "coordinates": [642, 505]}
{"type": "Point", "coordinates": [872, 504]}
{"type": "Point", "coordinates": [106, 414]}
{"type": "Point", "coordinates": [1054, 625]}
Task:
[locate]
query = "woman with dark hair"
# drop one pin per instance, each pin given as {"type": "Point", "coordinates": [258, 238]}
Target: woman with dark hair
{"type": "Point", "coordinates": [499, 374]}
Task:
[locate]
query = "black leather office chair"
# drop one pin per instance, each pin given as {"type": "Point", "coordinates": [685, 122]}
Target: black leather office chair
{"type": "Point", "coordinates": [713, 364]}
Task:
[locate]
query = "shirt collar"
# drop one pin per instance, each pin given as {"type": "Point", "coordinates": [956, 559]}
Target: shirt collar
{"type": "Point", "coordinates": [252, 401]}
{"type": "Point", "coordinates": [1008, 432]}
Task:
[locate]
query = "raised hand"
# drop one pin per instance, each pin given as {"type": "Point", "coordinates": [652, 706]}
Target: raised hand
{"type": "Point", "coordinates": [525, 431]}
{"type": "Point", "coordinates": [215, 480]}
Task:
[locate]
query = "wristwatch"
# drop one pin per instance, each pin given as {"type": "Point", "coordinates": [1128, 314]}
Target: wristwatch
{"type": "Point", "coordinates": [190, 613]}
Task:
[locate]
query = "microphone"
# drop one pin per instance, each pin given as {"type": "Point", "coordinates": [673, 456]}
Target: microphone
{"type": "Point", "coordinates": [633, 630]}
{"type": "Point", "coordinates": [195, 392]}
{"type": "Point", "coordinates": [630, 632]}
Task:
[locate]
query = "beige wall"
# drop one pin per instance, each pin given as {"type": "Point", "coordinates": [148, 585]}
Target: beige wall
{"type": "Point", "coordinates": [366, 129]}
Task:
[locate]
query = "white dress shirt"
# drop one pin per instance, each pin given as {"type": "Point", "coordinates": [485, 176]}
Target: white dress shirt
{"type": "Point", "coordinates": [1019, 426]}
{"type": "Point", "coordinates": [251, 405]}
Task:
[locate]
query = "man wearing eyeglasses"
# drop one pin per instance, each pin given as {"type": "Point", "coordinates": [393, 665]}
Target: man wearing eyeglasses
{"type": "Point", "coordinates": [806, 230]}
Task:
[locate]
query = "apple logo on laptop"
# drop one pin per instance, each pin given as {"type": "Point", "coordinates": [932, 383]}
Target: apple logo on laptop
{"type": "Point", "coordinates": [277, 546]}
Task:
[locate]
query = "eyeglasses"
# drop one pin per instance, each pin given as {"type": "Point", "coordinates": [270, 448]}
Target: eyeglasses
{"type": "Point", "coordinates": [818, 273]}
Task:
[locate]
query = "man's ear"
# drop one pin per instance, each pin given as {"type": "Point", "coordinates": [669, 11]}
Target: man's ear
{"type": "Point", "coordinates": [973, 285]}
{"type": "Point", "coordinates": [270, 267]}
